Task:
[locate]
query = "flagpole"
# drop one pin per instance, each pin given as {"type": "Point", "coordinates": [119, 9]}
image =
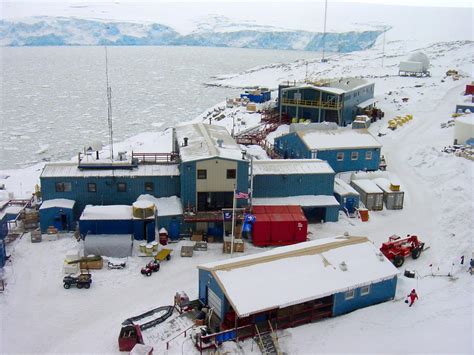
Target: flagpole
{"type": "Point", "coordinates": [233, 219]}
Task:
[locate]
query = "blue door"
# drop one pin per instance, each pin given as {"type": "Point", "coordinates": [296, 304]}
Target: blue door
{"type": "Point", "coordinates": [350, 204]}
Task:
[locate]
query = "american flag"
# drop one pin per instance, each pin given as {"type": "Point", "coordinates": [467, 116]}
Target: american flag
{"type": "Point", "coordinates": [240, 194]}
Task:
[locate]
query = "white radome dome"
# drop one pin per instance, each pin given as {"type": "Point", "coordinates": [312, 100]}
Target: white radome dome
{"type": "Point", "coordinates": [421, 58]}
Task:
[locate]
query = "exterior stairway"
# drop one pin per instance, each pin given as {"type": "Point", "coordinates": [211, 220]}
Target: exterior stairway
{"type": "Point", "coordinates": [267, 342]}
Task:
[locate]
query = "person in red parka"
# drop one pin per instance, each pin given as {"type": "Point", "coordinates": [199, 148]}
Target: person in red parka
{"type": "Point", "coordinates": [412, 296]}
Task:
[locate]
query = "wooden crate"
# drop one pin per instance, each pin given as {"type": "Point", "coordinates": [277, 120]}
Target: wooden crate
{"type": "Point", "coordinates": [187, 251]}
{"type": "Point", "coordinates": [92, 264]}
{"type": "Point", "coordinates": [196, 237]}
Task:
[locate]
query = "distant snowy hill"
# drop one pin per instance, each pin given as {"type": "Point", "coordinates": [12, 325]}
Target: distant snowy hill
{"type": "Point", "coordinates": [218, 32]}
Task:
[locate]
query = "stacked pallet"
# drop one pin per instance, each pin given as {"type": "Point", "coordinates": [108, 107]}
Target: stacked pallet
{"type": "Point", "coordinates": [30, 219]}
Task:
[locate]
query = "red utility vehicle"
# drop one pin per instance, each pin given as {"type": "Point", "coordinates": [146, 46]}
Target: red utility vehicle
{"type": "Point", "coordinates": [396, 249]}
{"type": "Point", "coordinates": [151, 267]}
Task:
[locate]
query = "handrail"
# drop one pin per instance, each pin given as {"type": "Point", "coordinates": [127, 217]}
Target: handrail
{"type": "Point", "coordinates": [315, 103]}
{"type": "Point", "coordinates": [184, 331]}
{"type": "Point", "coordinates": [259, 338]}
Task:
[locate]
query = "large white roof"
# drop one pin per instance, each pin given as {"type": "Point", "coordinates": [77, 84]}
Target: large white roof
{"type": "Point", "coordinates": [71, 170]}
{"type": "Point", "coordinates": [58, 202]}
{"type": "Point", "coordinates": [338, 139]}
{"type": "Point", "coordinates": [291, 166]}
{"type": "Point", "coordinates": [302, 200]}
{"type": "Point", "coordinates": [203, 142]}
{"type": "Point", "coordinates": [315, 269]}
{"type": "Point", "coordinates": [112, 212]}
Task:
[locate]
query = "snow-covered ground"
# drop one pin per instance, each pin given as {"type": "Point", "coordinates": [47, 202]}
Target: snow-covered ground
{"type": "Point", "coordinates": [39, 316]}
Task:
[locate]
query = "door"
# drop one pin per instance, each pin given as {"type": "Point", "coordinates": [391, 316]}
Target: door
{"type": "Point", "coordinates": [64, 225]}
{"type": "Point", "coordinates": [350, 204]}
{"type": "Point", "coordinates": [214, 301]}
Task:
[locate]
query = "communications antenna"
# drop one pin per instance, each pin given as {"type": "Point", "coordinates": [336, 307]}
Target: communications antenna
{"type": "Point", "coordinates": [109, 108]}
{"type": "Point", "coordinates": [324, 30]}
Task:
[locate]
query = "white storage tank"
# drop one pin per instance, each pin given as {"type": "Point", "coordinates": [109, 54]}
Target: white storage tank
{"type": "Point", "coordinates": [463, 128]}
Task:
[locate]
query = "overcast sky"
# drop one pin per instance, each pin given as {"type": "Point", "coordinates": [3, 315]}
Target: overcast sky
{"type": "Point", "coordinates": [430, 3]}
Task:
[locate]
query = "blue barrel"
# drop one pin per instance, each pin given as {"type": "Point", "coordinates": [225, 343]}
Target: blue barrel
{"type": "Point", "coordinates": [173, 230]}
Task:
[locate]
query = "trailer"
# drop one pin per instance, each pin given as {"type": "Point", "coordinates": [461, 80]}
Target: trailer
{"type": "Point", "coordinates": [392, 196]}
{"type": "Point", "coordinates": [370, 194]}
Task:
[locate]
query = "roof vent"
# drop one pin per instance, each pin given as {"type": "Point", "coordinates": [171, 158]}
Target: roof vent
{"type": "Point", "coordinates": [343, 266]}
{"type": "Point", "coordinates": [219, 143]}
{"type": "Point", "coordinates": [381, 256]}
{"type": "Point", "coordinates": [346, 234]}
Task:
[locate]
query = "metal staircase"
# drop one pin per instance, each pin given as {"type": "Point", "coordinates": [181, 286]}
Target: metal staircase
{"type": "Point", "coordinates": [268, 341]}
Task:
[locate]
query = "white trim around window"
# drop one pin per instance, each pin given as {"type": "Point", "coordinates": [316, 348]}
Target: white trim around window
{"type": "Point", "coordinates": [365, 290]}
{"type": "Point", "coordinates": [349, 295]}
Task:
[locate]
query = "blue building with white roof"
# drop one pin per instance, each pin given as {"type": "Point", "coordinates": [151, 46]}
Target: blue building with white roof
{"type": "Point", "coordinates": [326, 101]}
{"type": "Point", "coordinates": [329, 277]}
{"type": "Point", "coordinates": [343, 149]}
{"type": "Point", "coordinates": [305, 182]}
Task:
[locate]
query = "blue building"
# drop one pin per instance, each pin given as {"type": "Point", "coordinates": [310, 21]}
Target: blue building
{"type": "Point", "coordinates": [111, 219]}
{"type": "Point", "coordinates": [212, 167]}
{"type": "Point", "coordinates": [108, 186]}
{"type": "Point", "coordinates": [318, 287]}
{"type": "Point", "coordinates": [59, 213]}
{"type": "Point", "coordinates": [332, 101]}
{"type": "Point", "coordinates": [305, 182]}
{"type": "Point", "coordinates": [258, 96]}
{"type": "Point", "coordinates": [343, 149]}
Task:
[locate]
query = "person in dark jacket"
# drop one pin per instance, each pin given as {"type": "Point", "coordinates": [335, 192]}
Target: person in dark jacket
{"type": "Point", "coordinates": [412, 296]}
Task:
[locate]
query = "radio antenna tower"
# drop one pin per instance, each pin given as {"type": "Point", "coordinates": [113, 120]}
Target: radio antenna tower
{"type": "Point", "coordinates": [323, 60]}
{"type": "Point", "coordinates": [109, 108]}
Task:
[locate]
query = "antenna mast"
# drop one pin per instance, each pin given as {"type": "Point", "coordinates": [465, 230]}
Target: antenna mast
{"type": "Point", "coordinates": [324, 30]}
{"type": "Point", "coordinates": [109, 107]}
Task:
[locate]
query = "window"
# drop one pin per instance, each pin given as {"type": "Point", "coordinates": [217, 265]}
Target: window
{"type": "Point", "coordinates": [314, 154]}
{"type": "Point", "coordinates": [365, 290]}
{"type": "Point", "coordinates": [63, 187]}
{"type": "Point", "coordinates": [202, 174]}
{"type": "Point", "coordinates": [148, 186]}
{"type": "Point", "coordinates": [91, 187]}
{"type": "Point", "coordinates": [368, 155]}
{"type": "Point", "coordinates": [340, 156]}
{"type": "Point", "coordinates": [122, 187]}
{"type": "Point", "coordinates": [231, 173]}
{"type": "Point", "coordinates": [354, 155]}
{"type": "Point", "coordinates": [349, 295]}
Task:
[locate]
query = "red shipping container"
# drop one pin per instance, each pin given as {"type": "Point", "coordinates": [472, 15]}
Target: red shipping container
{"type": "Point", "coordinates": [282, 229]}
{"type": "Point", "coordinates": [258, 210]}
{"type": "Point", "coordinates": [301, 228]}
{"type": "Point", "coordinates": [276, 209]}
{"type": "Point", "coordinates": [261, 230]}
{"type": "Point", "coordinates": [295, 210]}
{"type": "Point", "coordinates": [469, 89]}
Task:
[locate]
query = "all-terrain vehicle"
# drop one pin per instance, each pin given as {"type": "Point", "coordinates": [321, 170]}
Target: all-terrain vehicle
{"type": "Point", "coordinates": [152, 266]}
{"type": "Point", "coordinates": [80, 281]}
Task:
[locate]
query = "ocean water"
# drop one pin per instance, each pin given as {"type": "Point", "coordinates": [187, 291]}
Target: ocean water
{"type": "Point", "coordinates": [53, 99]}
